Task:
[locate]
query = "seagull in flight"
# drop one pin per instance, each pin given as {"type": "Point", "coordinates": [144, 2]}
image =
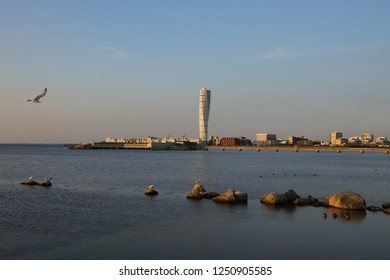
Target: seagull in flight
{"type": "Point", "coordinates": [36, 99]}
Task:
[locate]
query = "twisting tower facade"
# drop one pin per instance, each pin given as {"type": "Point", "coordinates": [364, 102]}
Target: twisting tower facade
{"type": "Point", "coordinates": [204, 110]}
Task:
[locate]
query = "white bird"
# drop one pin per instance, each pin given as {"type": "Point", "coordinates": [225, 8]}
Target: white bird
{"type": "Point", "coordinates": [36, 99]}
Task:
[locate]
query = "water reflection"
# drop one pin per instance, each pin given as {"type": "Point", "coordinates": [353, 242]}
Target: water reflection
{"type": "Point", "coordinates": [201, 167]}
{"type": "Point", "coordinates": [347, 214]}
{"type": "Point", "coordinates": [288, 208]}
{"type": "Point", "coordinates": [240, 204]}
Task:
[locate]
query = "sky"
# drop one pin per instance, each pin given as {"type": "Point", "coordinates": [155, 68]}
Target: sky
{"type": "Point", "coordinates": [133, 69]}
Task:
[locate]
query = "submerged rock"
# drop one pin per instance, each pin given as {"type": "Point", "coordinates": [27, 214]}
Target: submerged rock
{"type": "Point", "coordinates": [346, 200]}
{"type": "Point", "coordinates": [319, 204]}
{"type": "Point", "coordinates": [374, 208]}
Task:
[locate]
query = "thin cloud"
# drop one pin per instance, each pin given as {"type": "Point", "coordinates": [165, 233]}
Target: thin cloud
{"type": "Point", "coordinates": [282, 53]}
{"type": "Point", "coordinates": [115, 54]}
{"type": "Point", "coordinates": [118, 55]}
{"type": "Point", "coordinates": [277, 53]}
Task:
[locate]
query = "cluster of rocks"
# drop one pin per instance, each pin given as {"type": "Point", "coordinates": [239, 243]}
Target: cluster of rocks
{"type": "Point", "coordinates": [289, 197]}
{"type": "Point", "coordinates": [337, 202]}
{"type": "Point", "coordinates": [229, 196]}
{"type": "Point", "coordinates": [342, 200]}
{"type": "Point", "coordinates": [30, 182]}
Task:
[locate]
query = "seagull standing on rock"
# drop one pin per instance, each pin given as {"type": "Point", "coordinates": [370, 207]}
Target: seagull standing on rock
{"type": "Point", "coordinates": [36, 99]}
{"type": "Point", "coordinates": [151, 191]}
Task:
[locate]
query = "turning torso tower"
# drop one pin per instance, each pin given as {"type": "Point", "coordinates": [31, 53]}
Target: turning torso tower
{"type": "Point", "coordinates": [204, 109]}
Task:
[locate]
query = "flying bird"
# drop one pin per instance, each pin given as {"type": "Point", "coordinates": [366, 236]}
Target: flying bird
{"type": "Point", "coordinates": [36, 99]}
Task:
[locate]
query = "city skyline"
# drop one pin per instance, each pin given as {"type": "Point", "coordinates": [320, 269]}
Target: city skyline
{"type": "Point", "coordinates": [134, 69]}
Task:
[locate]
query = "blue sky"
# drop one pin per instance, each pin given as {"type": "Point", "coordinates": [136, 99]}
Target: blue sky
{"type": "Point", "coordinates": [134, 68]}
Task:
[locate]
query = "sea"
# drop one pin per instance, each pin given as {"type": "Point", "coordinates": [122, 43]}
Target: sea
{"type": "Point", "coordinates": [96, 208]}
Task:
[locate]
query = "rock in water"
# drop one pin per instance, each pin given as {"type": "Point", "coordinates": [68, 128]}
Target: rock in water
{"type": "Point", "coordinates": [227, 196]}
{"type": "Point", "coordinates": [30, 182]}
{"type": "Point", "coordinates": [241, 196]}
{"type": "Point", "coordinates": [305, 201]}
{"type": "Point", "coordinates": [46, 183]}
{"type": "Point", "coordinates": [386, 205]}
{"type": "Point", "coordinates": [291, 196]}
{"type": "Point", "coordinates": [274, 198]}
{"type": "Point", "coordinates": [347, 200]}
{"type": "Point", "coordinates": [197, 192]}
{"type": "Point", "coordinates": [151, 191]}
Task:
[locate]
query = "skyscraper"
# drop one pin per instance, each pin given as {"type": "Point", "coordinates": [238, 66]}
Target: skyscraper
{"type": "Point", "coordinates": [204, 109]}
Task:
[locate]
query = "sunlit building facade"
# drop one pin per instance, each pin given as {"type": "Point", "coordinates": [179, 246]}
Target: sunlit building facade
{"type": "Point", "coordinates": [204, 110]}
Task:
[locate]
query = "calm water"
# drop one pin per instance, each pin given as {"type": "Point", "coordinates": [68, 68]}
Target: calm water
{"type": "Point", "coordinates": [96, 208]}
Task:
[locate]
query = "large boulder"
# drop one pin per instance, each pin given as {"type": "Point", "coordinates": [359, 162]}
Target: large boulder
{"type": "Point", "coordinates": [227, 197]}
{"type": "Point", "coordinates": [346, 200]}
{"type": "Point", "coordinates": [274, 198]}
{"type": "Point", "coordinates": [198, 192]}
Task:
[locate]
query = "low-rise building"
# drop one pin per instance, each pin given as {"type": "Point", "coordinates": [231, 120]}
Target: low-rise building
{"type": "Point", "coordinates": [229, 141]}
{"type": "Point", "coordinates": [299, 141]}
{"type": "Point", "coordinates": [340, 142]}
{"type": "Point", "coordinates": [234, 141]}
{"type": "Point", "coordinates": [266, 139]}
{"type": "Point", "coordinates": [381, 140]}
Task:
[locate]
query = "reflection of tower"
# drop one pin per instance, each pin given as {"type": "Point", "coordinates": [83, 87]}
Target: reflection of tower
{"type": "Point", "coordinates": [204, 109]}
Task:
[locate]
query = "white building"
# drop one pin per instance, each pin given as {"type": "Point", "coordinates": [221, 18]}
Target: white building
{"type": "Point", "coordinates": [204, 110]}
{"type": "Point", "coordinates": [367, 138]}
{"type": "Point", "coordinates": [263, 139]}
{"type": "Point", "coordinates": [334, 136]}
{"type": "Point", "coordinates": [381, 140]}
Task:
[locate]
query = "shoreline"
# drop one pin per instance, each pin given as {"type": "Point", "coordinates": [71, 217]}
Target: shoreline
{"type": "Point", "coordinates": [309, 148]}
